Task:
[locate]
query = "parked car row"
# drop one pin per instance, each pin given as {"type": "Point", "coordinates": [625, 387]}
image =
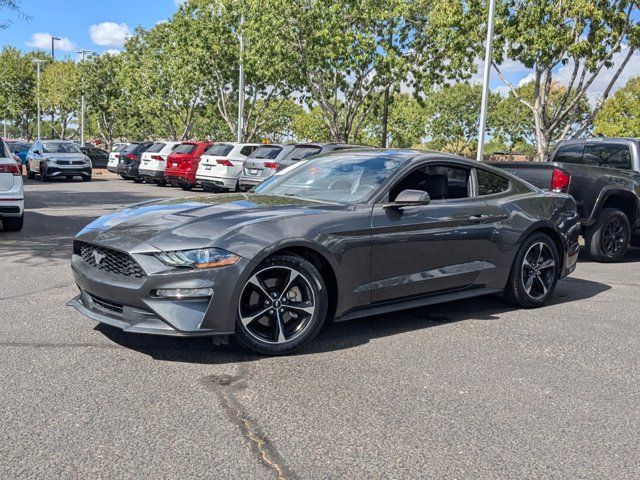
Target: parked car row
{"type": "Point", "coordinates": [216, 167]}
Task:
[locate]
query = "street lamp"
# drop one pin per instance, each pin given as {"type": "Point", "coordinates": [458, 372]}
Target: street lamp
{"type": "Point", "coordinates": [53, 57]}
{"type": "Point", "coordinates": [241, 86]}
{"type": "Point", "coordinates": [487, 77]}
{"type": "Point", "coordinates": [38, 61]}
{"type": "Point", "coordinates": [82, 52]}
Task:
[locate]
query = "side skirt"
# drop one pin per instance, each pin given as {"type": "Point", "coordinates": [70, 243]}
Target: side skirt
{"type": "Point", "coordinates": [417, 302]}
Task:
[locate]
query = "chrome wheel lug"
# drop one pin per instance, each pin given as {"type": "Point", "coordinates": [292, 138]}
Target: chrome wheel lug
{"type": "Point", "coordinates": [282, 310]}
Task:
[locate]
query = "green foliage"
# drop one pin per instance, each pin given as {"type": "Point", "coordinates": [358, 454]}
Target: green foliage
{"type": "Point", "coordinates": [61, 94]}
{"type": "Point", "coordinates": [620, 115]}
{"type": "Point", "coordinates": [453, 117]}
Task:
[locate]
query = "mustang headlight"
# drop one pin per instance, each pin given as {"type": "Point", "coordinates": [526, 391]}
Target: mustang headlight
{"type": "Point", "coordinates": [200, 258]}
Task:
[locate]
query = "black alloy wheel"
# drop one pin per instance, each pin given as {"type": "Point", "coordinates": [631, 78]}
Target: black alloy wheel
{"type": "Point", "coordinates": [282, 306]}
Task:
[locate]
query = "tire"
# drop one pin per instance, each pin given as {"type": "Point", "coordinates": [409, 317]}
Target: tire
{"type": "Point", "coordinates": [137, 180]}
{"type": "Point", "coordinates": [534, 273]}
{"type": "Point", "coordinates": [13, 224]}
{"type": "Point", "coordinates": [43, 174]}
{"type": "Point", "coordinates": [86, 179]}
{"type": "Point", "coordinates": [161, 183]}
{"type": "Point", "coordinates": [607, 240]}
{"type": "Point", "coordinates": [187, 187]}
{"type": "Point", "coordinates": [210, 189]}
{"type": "Point", "coordinates": [261, 332]}
{"type": "Point", "coordinates": [30, 175]}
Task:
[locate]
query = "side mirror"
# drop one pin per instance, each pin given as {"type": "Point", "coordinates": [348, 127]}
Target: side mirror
{"type": "Point", "coordinates": [37, 152]}
{"type": "Point", "coordinates": [410, 198]}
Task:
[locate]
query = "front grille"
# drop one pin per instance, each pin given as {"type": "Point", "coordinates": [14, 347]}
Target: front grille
{"type": "Point", "coordinates": [109, 260]}
{"type": "Point", "coordinates": [70, 162]}
{"type": "Point", "coordinates": [107, 305]}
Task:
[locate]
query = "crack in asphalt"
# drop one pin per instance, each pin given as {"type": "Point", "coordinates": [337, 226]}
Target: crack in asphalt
{"type": "Point", "coordinates": [224, 387]}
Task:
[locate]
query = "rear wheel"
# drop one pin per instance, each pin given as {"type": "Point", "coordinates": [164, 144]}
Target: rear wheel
{"type": "Point", "coordinates": [607, 240]}
{"type": "Point", "coordinates": [210, 189]}
{"type": "Point", "coordinates": [534, 272]}
{"type": "Point", "coordinates": [13, 224]}
{"type": "Point", "coordinates": [282, 306]}
{"type": "Point", "coordinates": [187, 187]}
{"type": "Point", "coordinates": [161, 183]}
{"type": "Point", "coordinates": [137, 180]}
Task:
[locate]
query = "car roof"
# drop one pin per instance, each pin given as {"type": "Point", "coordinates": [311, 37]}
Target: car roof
{"type": "Point", "coordinates": [577, 141]}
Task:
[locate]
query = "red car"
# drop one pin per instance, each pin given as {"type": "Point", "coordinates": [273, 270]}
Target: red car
{"type": "Point", "coordinates": [182, 164]}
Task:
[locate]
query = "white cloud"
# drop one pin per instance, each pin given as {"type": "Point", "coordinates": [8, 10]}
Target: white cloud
{"type": "Point", "coordinates": [599, 85]}
{"type": "Point", "coordinates": [43, 40]}
{"type": "Point", "coordinates": [109, 34]}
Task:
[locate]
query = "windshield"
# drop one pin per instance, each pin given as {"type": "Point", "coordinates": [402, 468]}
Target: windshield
{"type": "Point", "coordinates": [346, 179]}
{"type": "Point", "coordinates": [269, 152]}
{"type": "Point", "coordinates": [220, 149]}
{"type": "Point", "coordinates": [60, 147]}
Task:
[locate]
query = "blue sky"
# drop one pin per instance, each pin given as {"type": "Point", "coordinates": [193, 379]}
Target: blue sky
{"type": "Point", "coordinates": [102, 25]}
{"type": "Point", "coordinates": [97, 25]}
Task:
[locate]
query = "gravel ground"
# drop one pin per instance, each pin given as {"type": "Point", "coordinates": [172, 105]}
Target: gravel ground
{"type": "Point", "coordinates": [474, 389]}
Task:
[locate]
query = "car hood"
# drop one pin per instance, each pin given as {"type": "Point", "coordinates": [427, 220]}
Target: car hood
{"type": "Point", "coordinates": [193, 222]}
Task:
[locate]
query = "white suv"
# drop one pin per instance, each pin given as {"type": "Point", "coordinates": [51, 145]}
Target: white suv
{"type": "Point", "coordinates": [114, 156]}
{"type": "Point", "coordinates": [154, 161]}
{"type": "Point", "coordinates": [221, 165]}
{"type": "Point", "coordinates": [11, 191]}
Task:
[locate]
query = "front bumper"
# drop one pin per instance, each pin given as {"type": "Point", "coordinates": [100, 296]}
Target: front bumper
{"type": "Point", "coordinates": [130, 305]}
{"type": "Point", "coordinates": [75, 171]}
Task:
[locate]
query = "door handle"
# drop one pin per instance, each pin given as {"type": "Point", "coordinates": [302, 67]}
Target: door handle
{"type": "Point", "coordinates": [480, 218]}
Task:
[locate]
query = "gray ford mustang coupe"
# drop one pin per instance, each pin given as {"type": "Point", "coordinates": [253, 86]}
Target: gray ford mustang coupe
{"type": "Point", "coordinates": [341, 236]}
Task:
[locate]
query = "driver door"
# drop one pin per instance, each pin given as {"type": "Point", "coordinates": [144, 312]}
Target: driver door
{"type": "Point", "coordinates": [424, 249]}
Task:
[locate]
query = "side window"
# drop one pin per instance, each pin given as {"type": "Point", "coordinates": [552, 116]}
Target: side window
{"type": "Point", "coordinates": [569, 154]}
{"type": "Point", "coordinates": [439, 181]}
{"type": "Point", "coordinates": [490, 183]}
{"type": "Point", "coordinates": [608, 155]}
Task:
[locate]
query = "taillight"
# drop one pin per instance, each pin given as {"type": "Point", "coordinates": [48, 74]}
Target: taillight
{"type": "Point", "coordinates": [116, 155]}
{"type": "Point", "coordinates": [12, 169]}
{"type": "Point", "coordinates": [273, 165]}
{"type": "Point", "coordinates": [156, 157]}
{"type": "Point", "coordinates": [226, 163]}
{"type": "Point", "coordinates": [130, 156]}
{"type": "Point", "coordinates": [560, 181]}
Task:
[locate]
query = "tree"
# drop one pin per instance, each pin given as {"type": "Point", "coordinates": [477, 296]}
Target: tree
{"type": "Point", "coordinates": [61, 94]}
{"type": "Point", "coordinates": [620, 114]}
{"type": "Point", "coordinates": [453, 117]}
{"type": "Point", "coordinates": [346, 52]}
{"type": "Point", "coordinates": [514, 123]}
{"type": "Point", "coordinates": [580, 35]}
{"type": "Point", "coordinates": [11, 6]}
{"type": "Point", "coordinates": [18, 95]}
{"type": "Point", "coordinates": [100, 80]}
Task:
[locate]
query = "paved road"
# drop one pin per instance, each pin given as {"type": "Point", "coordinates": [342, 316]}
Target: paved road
{"type": "Point", "coordinates": [473, 389]}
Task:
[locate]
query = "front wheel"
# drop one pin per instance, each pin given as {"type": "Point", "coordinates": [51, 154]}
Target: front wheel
{"type": "Point", "coordinates": [86, 178]}
{"type": "Point", "coordinates": [607, 240]}
{"type": "Point", "coordinates": [282, 306]}
{"type": "Point", "coordinates": [43, 174]}
{"type": "Point", "coordinates": [534, 272]}
{"type": "Point", "coordinates": [30, 175]}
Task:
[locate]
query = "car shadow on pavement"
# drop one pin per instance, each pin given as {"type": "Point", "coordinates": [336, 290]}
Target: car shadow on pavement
{"type": "Point", "coordinates": [346, 335]}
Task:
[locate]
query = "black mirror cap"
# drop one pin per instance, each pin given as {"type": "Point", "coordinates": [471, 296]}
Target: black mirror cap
{"type": "Point", "coordinates": [409, 198]}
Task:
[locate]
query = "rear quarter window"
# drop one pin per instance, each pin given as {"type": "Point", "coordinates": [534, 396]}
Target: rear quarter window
{"type": "Point", "coordinates": [185, 148]}
{"type": "Point", "coordinates": [569, 154]}
{"type": "Point", "coordinates": [267, 153]}
{"type": "Point", "coordinates": [220, 150]}
{"type": "Point", "coordinates": [491, 184]}
{"type": "Point", "coordinates": [156, 147]}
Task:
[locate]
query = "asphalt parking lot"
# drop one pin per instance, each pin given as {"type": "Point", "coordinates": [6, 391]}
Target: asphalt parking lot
{"type": "Point", "coordinates": [474, 389]}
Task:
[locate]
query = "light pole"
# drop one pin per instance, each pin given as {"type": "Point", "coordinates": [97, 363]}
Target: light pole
{"type": "Point", "coordinates": [82, 52]}
{"type": "Point", "coordinates": [38, 61]}
{"type": "Point", "coordinates": [487, 77]}
{"type": "Point", "coordinates": [53, 57]}
{"type": "Point", "coordinates": [241, 86]}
